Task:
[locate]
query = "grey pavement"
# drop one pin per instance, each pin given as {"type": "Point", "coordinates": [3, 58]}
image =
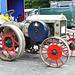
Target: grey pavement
{"type": "Point", "coordinates": [31, 64]}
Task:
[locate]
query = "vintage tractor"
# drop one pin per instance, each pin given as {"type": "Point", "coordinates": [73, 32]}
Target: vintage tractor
{"type": "Point", "coordinates": [50, 30]}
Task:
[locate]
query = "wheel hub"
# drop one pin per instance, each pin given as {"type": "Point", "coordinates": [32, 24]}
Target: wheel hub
{"type": "Point", "coordinates": [54, 52]}
{"type": "Point", "coordinates": [8, 43]}
{"type": "Point", "coordinates": [72, 44]}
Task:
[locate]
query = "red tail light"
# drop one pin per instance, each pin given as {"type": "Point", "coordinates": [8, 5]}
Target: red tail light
{"type": "Point", "coordinates": [71, 19]}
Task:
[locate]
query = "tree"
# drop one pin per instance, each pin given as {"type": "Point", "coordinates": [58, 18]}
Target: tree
{"type": "Point", "coordinates": [42, 3]}
{"type": "Point", "coordinates": [36, 3]}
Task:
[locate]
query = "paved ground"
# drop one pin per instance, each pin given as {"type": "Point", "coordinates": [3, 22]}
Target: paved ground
{"type": "Point", "coordinates": [31, 64]}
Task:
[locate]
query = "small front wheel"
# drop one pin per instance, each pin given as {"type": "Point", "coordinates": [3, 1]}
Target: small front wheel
{"type": "Point", "coordinates": [54, 51]}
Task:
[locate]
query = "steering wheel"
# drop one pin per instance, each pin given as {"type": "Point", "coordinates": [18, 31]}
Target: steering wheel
{"type": "Point", "coordinates": [8, 13]}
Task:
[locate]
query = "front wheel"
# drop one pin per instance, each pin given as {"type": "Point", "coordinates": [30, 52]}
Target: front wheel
{"type": "Point", "coordinates": [54, 51]}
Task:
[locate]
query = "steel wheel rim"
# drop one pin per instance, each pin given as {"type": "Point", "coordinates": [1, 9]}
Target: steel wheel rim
{"type": "Point", "coordinates": [7, 56]}
{"type": "Point", "coordinates": [71, 38]}
{"type": "Point", "coordinates": [54, 58]}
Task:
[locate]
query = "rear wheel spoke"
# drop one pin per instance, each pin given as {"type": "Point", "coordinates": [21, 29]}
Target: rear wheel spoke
{"type": "Point", "coordinates": [0, 36]}
{"type": "Point", "coordinates": [63, 50]}
{"type": "Point", "coordinates": [45, 48]}
{"type": "Point", "coordinates": [2, 51]}
{"type": "Point", "coordinates": [46, 43]}
{"type": "Point", "coordinates": [8, 55]}
{"type": "Point", "coordinates": [46, 58]}
{"type": "Point", "coordinates": [52, 41]}
{"type": "Point", "coordinates": [64, 56]}
{"type": "Point", "coordinates": [62, 45]}
{"type": "Point", "coordinates": [0, 43]}
{"type": "Point", "coordinates": [60, 60]}
{"type": "Point", "coordinates": [50, 62]}
{"type": "Point", "coordinates": [12, 34]}
{"type": "Point", "coordinates": [56, 62]}
{"type": "Point", "coordinates": [16, 42]}
{"type": "Point", "coordinates": [14, 52]}
{"type": "Point", "coordinates": [57, 41]}
{"type": "Point", "coordinates": [44, 53]}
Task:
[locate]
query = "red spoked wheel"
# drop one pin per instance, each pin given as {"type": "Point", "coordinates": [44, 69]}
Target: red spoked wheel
{"type": "Point", "coordinates": [11, 42]}
{"type": "Point", "coordinates": [71, 42]}
{"type": "Point", "coordinates": [54, 51]}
